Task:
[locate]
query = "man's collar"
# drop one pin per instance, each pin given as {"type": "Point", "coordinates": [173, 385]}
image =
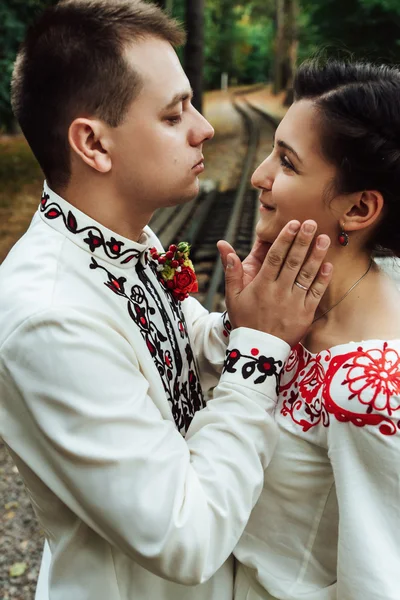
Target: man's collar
{"type": "Point", "coordinates": [87, 233]}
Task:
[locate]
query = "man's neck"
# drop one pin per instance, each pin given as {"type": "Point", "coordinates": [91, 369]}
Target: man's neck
{"type": "Point", "coordinates": [100, 202]}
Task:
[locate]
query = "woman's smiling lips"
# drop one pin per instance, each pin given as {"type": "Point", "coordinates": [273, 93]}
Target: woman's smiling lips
{"type": "Point", "coordinates": [265, 207]}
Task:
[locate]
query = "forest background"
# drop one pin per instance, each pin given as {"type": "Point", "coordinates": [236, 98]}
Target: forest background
{"type": "Point", "coordinates": [249, 40]}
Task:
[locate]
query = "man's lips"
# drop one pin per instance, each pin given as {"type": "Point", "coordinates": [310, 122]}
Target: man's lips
{"type": "Point", "coordinates": [198, 167]}
{"type": "Point", "coordinates": [199, 163]}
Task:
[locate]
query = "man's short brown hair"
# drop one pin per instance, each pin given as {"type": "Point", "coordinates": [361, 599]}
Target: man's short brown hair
{"type": "Point", "coordinates": [72, 64]}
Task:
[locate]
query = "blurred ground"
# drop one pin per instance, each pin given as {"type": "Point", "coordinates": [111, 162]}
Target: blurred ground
{"type": "Point", "coordinates": [20, 188]}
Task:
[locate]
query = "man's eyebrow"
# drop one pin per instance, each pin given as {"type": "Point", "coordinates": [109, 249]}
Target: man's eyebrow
{"type": "Point", "coordinates": [283, 144]}
{"type": "Point", "coordinates": [180, 97]}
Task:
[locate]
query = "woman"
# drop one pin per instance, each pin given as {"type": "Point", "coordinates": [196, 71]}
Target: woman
{"type": "Point", "coordinates": [327, 525]}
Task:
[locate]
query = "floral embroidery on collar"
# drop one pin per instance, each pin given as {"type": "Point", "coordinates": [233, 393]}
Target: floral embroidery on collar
{"type": "Point", "coordinates": [88, 234]}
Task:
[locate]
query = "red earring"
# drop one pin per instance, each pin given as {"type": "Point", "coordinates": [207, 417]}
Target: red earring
{"type": "Point", "coordinates": [343, 238]}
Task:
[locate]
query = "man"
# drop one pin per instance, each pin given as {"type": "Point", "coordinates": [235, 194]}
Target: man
{"type": "Point", "coordinates": [101, 368]}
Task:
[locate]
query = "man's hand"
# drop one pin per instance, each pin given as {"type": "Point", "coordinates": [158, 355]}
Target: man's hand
{"type": "Point", "coordinates": [282, 297]}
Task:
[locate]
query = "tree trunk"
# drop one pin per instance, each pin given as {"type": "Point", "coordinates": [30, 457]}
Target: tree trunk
{"type": "Point", "coordinates": [293, 46]}
{"type": "Point", "coordinates": [194, 49]}
{"type": "Point", "coordinates": [286, 45]}
{"type": "Point", "coordinates": [279, 46]}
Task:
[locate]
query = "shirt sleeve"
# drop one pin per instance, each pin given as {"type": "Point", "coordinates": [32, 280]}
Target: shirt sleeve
{"type": "Point", "coordinates": [79, 412]}
{"type": "Point", "coordinates": [209, 334]}
{"type": "Point", "coordinates": [364, 449]}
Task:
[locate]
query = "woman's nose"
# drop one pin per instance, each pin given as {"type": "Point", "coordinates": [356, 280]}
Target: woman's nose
{"type": "Point", "coordinates": [262, 176]}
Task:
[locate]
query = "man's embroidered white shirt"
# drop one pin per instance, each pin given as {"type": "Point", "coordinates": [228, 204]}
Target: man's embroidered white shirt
{"type": "Point", "coordinates": [140, 494]}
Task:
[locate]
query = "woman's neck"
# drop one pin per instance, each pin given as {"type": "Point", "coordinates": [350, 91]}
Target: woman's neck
{"type": "Point", "coordinates": [350, 269]}
{"type": "Point", "coordinates": [369, 311]}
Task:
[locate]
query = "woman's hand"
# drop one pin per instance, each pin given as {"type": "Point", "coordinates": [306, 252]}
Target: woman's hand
{"type": "Point", "coordinates": [282, 297]}
{"type": "Point", "coordinates": [252, 263]}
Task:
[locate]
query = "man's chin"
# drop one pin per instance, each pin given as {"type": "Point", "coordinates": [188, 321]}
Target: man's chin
{"type": "Point", "coordinates": [191, 193]}
{"type": "Point", "coordinates": [182, 198]}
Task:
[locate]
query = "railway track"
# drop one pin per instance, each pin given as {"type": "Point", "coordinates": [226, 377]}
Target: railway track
{"type": "Point", "coordinates": [214, 215]}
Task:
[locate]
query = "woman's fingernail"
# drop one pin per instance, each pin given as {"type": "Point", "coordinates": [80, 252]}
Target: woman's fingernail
{"type": "Point", "coordinates": [326, 269]}
{"type": "Point", "coordinates": [230, 261]}
{"type": "Point", "coordinates": [294, 227]}
{"type": "Point", "coordinates": [323, 243]}
{"type": "Point", "coordinates": [309, 227]}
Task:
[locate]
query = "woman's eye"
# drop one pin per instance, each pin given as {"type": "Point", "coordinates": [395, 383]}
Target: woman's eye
{"type": "Point", "coordinates": [286, 164]}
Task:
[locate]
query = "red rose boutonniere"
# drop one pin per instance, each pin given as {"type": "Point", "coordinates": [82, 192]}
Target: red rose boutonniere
{"type": "Point", "coordinates": [176, 270]}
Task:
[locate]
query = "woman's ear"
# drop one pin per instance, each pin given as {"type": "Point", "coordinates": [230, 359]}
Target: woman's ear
{"type": "Point", "coordinates": [88, 139]}
{"type": "Point", "coordinates": [364, 211]}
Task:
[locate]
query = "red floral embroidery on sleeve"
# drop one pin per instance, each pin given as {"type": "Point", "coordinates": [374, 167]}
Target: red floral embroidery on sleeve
{"type": "Point", "coordinates": [373, 380]}
{"type": "Point", "coordinates": [302, 401]}
{"type": "Point", "coordinates": [294, 364]}
{"type": "Point", "coordinates": [313, 379]}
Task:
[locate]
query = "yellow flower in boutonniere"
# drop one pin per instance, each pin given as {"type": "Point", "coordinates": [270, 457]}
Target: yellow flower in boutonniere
{"type": "Point", "coordinates": [176, 270]}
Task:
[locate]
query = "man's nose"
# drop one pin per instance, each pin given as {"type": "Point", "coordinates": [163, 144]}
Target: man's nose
{"type": "Point", "coordinates": [202, 131]}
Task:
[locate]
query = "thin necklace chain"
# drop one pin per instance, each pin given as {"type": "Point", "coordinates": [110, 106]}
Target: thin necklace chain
{"type": "Point", "coordinates": [347, 293]}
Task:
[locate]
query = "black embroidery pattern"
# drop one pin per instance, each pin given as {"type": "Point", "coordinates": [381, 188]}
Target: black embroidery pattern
{"type": "Point", "coordinates": [253, 365]}
{"type": "Point", "coordinates": [179, 376]}
{"type": "Point", "coordinates": [175, 305]}
{"type": "Point", "coordinates": [95, 239]}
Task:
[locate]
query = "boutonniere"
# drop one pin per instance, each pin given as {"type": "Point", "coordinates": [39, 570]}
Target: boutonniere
{"type": "Point", "coordinates": [176, 270]}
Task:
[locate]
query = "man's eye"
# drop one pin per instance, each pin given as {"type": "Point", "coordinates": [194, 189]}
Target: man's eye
{"type": "Point", "coordinates": [175, 120]}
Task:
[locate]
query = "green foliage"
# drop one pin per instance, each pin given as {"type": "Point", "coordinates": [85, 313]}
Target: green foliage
{"type": "Point", "coordinates": [239, 35]}
{"type": "Point", "coordinates": [238, 39]}
{"type": "Point", "coordinates": [15, 17]}
{"type": "Point", "coordinates": [366, 29]}
{"type": "Point", "coordinates": [253, 49]}
{"type": "Point", "coordinates": [387, 5]}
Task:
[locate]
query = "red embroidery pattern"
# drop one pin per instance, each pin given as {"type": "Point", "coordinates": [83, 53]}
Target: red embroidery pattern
{"type": "Point", "coordinates": [292, 367]}
{"type": "Point", "coordinates": [370, 370]}
{"type": "Point", "coordinates": [226, 324]}
{"type": "Point", "coordinates": [374, 377]}
{"type": "Point", "coordinates": [364, 382]}
{"type": "Point", "coordinates": [301, 395]}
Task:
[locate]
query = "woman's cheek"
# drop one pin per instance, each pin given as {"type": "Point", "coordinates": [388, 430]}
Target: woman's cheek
{"type": "Point", "coordinates": [289, 198]}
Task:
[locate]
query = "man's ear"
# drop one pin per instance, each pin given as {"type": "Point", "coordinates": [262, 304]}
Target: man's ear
{"type": "Point", "coordinates": [365, 211]}
{"type": "Point", "coordinates": [88, 139]}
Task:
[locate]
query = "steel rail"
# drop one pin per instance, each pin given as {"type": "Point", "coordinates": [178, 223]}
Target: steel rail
{"type": "Point", "coordinates": [253, 140]}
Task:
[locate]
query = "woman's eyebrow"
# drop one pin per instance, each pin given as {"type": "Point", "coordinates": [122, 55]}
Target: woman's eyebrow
{"type": "Point", "coordinates": [286, 146]}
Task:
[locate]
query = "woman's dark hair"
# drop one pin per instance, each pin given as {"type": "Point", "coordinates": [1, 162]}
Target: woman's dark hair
{"type": "Point", "coordinates": [359, 112]}
{"type": "Point", "coordinates": [72, 64]}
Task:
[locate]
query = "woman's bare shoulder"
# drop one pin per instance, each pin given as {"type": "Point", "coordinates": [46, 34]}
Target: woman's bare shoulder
{"type": "Point", "coordinates": [373, 315]}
